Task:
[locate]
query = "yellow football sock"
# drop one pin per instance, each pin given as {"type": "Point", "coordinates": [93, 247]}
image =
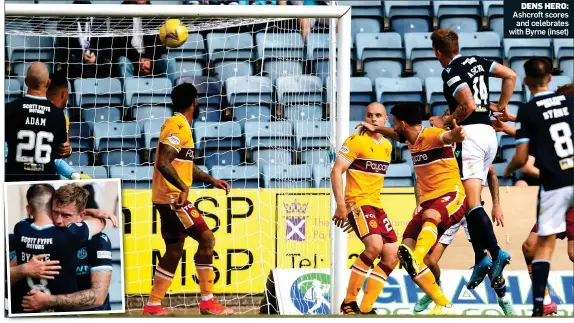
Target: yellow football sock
{"type": "Point", "coordinates": [427, 282]}
{"type": "Point", "coordinates": [426, 239]}
{"type": "Point", "coordinates": [161, 282]}
{"type": "Point", "coordinates": [359, 272]}
{"type": "Point", "coordinates": [375, 284]}
{"type": "Point", "coordinates": [205, 274]}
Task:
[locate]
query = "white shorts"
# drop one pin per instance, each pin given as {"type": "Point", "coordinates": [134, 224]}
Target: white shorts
{"type": "Point", "coordinates": [449, 234]}
{"type": "Point", "coordinates": [477, 152]}
{"type": "Point", "coordinates": [552, 207]}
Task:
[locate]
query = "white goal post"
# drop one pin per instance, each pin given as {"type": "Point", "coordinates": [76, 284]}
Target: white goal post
{"type": "Point", "coordinates": [337, 87]}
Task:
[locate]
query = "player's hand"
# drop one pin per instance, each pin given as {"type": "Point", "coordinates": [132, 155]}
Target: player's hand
{"type": "Point", "coordinates": [35, 301]}
{"type": "Point", "coordinates": [507, 173]}
{"type": "Point", "coordinates": [182, 198]}
{"type": "Point", "coordinates": [341, 215]}
{"type": "Point", "coordinates": [365, 127]}
{"type": "Point", "coordinates": [417, 210]}
{"type": "Point", "coordinates": [103, 215]}
{"type": "Point", "coordinates": [458, 133]}
{"type": "Point", "coordinates": [218, 183]}
{"type": "Point", "coordinates": [497, 125]}
{"type": "Point", "coordinates": [145, 65]}
{"type": "Point", "coordinates": [496, 108]}
{"type": "Point", "coordinates": [497, 215]}
{"type": "Point", "coordinates": [89, 58]}
{"type": "Point", "coordinates": [437, 122]}
{"type": "Point", "coordinates": [40, 269]}
{"type": "Point", "coordinates": [65, 150]}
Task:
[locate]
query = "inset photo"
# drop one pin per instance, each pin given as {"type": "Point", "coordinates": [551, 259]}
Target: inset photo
{"type": "Point", "coordinates": [65, 243]}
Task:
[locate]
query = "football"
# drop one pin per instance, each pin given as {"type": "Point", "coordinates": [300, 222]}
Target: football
{"type": "Point", "coordinates": [173, 33]}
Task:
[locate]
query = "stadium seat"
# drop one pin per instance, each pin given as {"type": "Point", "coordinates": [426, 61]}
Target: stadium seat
{"type": "Point", "coordinates": [209, 89]}
{"type": "Point", "coordinates": [151, 131]}
{"type": "Point", "coordinates": [20, 69]}
{"type": "Point", "coordinates": [494, 11]}
{"type": "Point", "coordinates": [280, 156]}
{"type": "Point", "coordinates": [322, 176]}
{"type": "Point", "coordinates": [299, 89]}
{"type": "Point", "coordinates": [79, 134]}
{"type": "Point", "coordinates": [381, 54]}
{"type": "Point", "coordinates": [221, 157]}
{"type": "Point", "coordinates": [499, 168]}
{"type": "Point", "coordinates": [495, 89]}
{"type": "Point", "coordinates": [485, 44]}
{"type": "Point", "coordinates": [281, 53]}
{"type": "Point", "coordinates": [253, 90]}
{"type": "Point", "coordinates": [229, 68]}
{"type": "Point", "coordinates": [418, 48]}
{"type": "Point", "coordinates": [312, 134]}
{"type": "Point", "coordinates": [101, 115]}
{"type": "Point", "coordinates": [555, 82]}
{"type": "Point", "coordinates": [409, 16]}
{"type": "Point", "coordinates": [228, 46]}
{"type": "Point", "coordinates": [395, 90]}
{"type": "Point", "coordinates": [221, 135]}
{"type": "Point", "coordinates": [361, 89]}
{"type": "Point", "coordinates": [365, 25]}
{"type": "Point", "coordinates": [564, 54]}
{"type": "Point", "coordinates": [364, 8]}
{"type": "Point", "coordinates": [198, 184]}
{"type": "Point", "coordinates": [98, 172]}
{"type": "Point", "coordinates": [287, 176]}
{"type": "Point", "coordinates": [12, 90]}
{"type": "Point", "coordinates": [315, 156]}
{"type": "Point", "coordinates": [518, 50]}
{"type": "Point", "coordinates": [311, 112]}
{"type": "Point", "coordinates": [150, 91]}
{"type": "Point", "coordinates": [507, 153]}
{"type": "Point", "coordinates": [240, 177]}
{"type": "Point", "coordinates": [133, 177]}
{"type": "Point", "coordinates": [318, 45]}
{"type": "Point", "coordinates": [118, 135]}
{"type": "Point", "coordinates": [435, 95]}
{"type": "Point", "coordinates": [460, 16]}
{"type": "Point", "coordinates": [98, 92]}
{"type": "Point", "coordinates": [30, 48]}
{"type": "Point", "coordinates": [255, 113]}
{"type": "Point", "coordinates": [277, 134]}
{"type": "Point", "coordinates": [188, 68]}
{"type": "Point", "coordinates": [145, 113]}
{"type": "Point", "coordinates": [192, 51]}
{"type": "Point", "coordinates": [120, 158]}
{"type": "Point", "coordinates": [399, 175]}
{"type": "Point", "coordinates": [79, 159]}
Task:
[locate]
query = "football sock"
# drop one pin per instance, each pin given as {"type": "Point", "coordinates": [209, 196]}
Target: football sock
{"type": "Point", "coordinates": [426, 281]}
{"type": "Point", "coordinates": [547, 299]}
{"type": "Point", "coordinates": [501, 291]}
{"type": "Point", "coordinates": [161, 282]}
{"type": "Point", "coordinates": [540, 270]}
{"type": "Point", "coordinates": [205, 274]}
{"type": "Point", "coordinates": [375, 283]}
{"type": "Point", "coordinates": [482, 230]}
{"type": "Point", "coordinates": [359, 272]}
{"type": "Point", "coordinates": [425, 240]}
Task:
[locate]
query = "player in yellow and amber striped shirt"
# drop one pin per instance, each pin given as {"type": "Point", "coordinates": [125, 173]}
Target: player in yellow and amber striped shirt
{"type": "Point", "coordinates": [365, 158]}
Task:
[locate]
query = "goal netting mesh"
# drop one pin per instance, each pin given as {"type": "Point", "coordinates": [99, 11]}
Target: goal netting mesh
{"type": "Point", "coordinates": [263, 126]}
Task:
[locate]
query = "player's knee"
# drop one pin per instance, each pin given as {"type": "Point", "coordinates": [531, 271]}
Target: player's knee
{"type": "Point", "coordinates": [528, 248]}
{"type": "Point", "coordinates": [373, 250]}
{"type": "Point", "coordinates": [174, 251]}
{"type": "Point", "coordinates": [430, 261]}
{"type": "Point", "coordinates": [207, 240]}
{"type": "Point", "coordinates": [391, 260]}
{"type": "Point", "coordinates": [571, 254]}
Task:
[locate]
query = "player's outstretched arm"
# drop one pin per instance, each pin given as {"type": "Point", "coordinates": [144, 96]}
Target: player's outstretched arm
{"type": "Point", "coordinates": [508, 77]}
{"type": "Point", "coordinates": [35, 268]}
{"type": "Point", "coordinates": [341, 212]}
{"type": "Point", "coordinates": [82, 300]}
{"type": "Point", "coordinates": [500, 126]}
{"type": "Point", "coordinates": [457, 134]}
{"type": "Point", "coordinates": [520, 158]}
{"type": "Point", "coordinates": [385, 131]}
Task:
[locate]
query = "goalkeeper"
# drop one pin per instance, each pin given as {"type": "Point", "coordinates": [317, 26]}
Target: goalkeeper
{"type": "Point", "coordinates": [58, 94]}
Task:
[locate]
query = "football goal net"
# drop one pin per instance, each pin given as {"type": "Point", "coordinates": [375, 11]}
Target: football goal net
{"type": "Point", "coordinates": [273, 92]}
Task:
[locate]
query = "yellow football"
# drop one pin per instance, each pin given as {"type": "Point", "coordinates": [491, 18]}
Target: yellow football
{"type": "Point", "coordinates": [173, 33]}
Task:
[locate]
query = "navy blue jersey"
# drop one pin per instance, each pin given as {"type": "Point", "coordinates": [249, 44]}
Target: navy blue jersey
{"type": "Point", "coordinates": [60, 244]}
{"type": "Point", "coordinates": [471, 71]}
{"type": "Point", "coordinates": [94, 255]}
{"type": "Point", "coordinates": [35, 129]}
{"type": "Point", "coordinates": [546, 123]}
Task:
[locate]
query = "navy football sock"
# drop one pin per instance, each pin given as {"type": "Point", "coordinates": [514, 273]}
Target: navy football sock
{"type": "Point", "coordinates": [476, 238]}
{"type": "Point", "coordinates": [479, 220]}
{"type": "Point", "coordinates": [540, 271]}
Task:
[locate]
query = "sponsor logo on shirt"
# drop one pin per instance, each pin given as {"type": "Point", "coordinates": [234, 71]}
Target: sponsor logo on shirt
{"type": "Point", "coordinates": [102, 254]}
{"type": "Point", "coordinates": [453, 80]}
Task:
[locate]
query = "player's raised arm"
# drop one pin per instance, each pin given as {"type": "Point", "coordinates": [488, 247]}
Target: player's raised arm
{"type": "Point", "coordinates": [508, 77]}
{"type": "Point", "coordinates": [385, 131]}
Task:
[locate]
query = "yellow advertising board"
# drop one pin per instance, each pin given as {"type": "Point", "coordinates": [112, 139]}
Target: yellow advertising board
{"type": "Point", "coordinates": [255, 230]}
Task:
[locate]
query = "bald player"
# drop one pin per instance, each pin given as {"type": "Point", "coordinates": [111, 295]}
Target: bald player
{"type": "Point", "coordinates": [35, 129]}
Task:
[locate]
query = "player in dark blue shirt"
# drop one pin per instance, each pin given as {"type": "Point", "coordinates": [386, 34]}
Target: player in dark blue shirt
{"type": "Point", "coordinates": [41, 237]}
{"type": "Point", "coordinates": [546, 122]}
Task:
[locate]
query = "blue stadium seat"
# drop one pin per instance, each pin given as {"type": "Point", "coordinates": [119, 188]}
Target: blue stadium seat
{"type": "Point", "coordinates": [365, 25]}
{"type": "Point", "coordinates": [198, 184]}
{"type": "Point", "coordinates": [209, 89]}
{"type": "Point", "coordinates": [310, 112]}
{"type": "Point", "coordinates": [364, 8]}
{"type": "Point", "coordinates": [352, 124]}
{"type": "Point", "coordinates": [318, 45]}
{"type": "Point", "coordinates": [495, 89]}
{"type": "Point", "coordinates": [255, 113]}
{"type": "Point", "coordinates": [221, 157]}
{"type": "Point", "coordinates": [12, 90]}
{"type": "Point", "coordinates": [228, 46]}
{"type": "Point", "coordinates": [151, 131]}
{"type": "Point", "coordinates": [494, 11]}
{"type": "Point", "coordinates": [118, 135]}
{"type": "Point", "coordinates": [227, 69]}
{"type": "Point", "coordinates": [269, 134]}
{"type": "Point", "coordinates": [280, 156]}
{"type": "Point", "coordinates": [188, 68]}
{"type": "Point", "coordinates": [381, 53]}
{"type": "Point", "coordinates": [79, 134]}
{"type": "Point", "coordinates": [98, 172]}
{"type": "Point", "coordinates": [399, 175]}
{"type": "Point", "coordinates": [221, 135]}
{"type": "Point", "coordinates": [555, 82]}
{"type": "Point", "coordinates": [312, 134]}
{"type": "Point", "coordinates": [79, 159]}
{"type": "Point", "coordinates": [361, 89]}
{"type": "Point", "coordinates": [435, 95]}
{"type": "Point", "coordinates": [461, 16]}
{"type": "Point", "coordinates": [287, 176]}
{"type": "Point", "coordinates": [142, 114]}
{"type": "Point", "coordinates": [299, 89]}
{"type": "Point", "coordinates": [253, 90]}
{"type": "Point", "coordinates": [20, 69]}
{"type": "Point", "coordinates": [507, 153]}
{"type": "Point", "coordinates": [100, 115]}
{"type": "Point", "coordinates": [315, 156]}
{"type": "Point", "coordinates": [133, 177]}
{"type": "Point", "coordinates": [282, 53]}
{"type": "Point", "coordinates": [418, 47]}
{"type": "Point", "coordinates": [146, 91]}
{"type": "Point", "coordinates": [499, 168]}
{"type": "Point", "coordinates": [409, 16]}
{"type": "Point", "coordinates": [564, 53]}
{"type": "Point", "coordinates": [322, 176]}
{"type": "Point", "coordinates": [485, 44]}
{"type": "Point", "coordinates": [98, 92]}
{"type": "Point", "coordinates": [30, 48]}
{"type": "Point", "coordinates": [240, 177]}
{"type": "Point", "coordinates": [395, 90]}
{"type": "Point", "coordinates": [191, 53]}
{"type": "Point", "coordinates": [519, 50]}
{"type": "Point", "coordinates": [120, 158]}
